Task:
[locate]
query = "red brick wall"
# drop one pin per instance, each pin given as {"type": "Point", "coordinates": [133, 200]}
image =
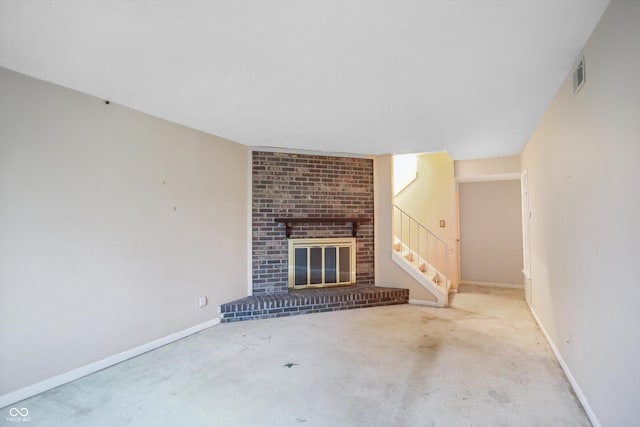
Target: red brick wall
{"type": "Point", "coordinates": [300, 185]}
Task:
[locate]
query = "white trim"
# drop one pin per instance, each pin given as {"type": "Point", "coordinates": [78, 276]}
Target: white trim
{"type": "Point", "coordinates": [423, 302]}
{"type": "Point", "coordinates": [58, 380]}
{"type": "Point", "coordinates": [515, 176]}
{"type": "Point", "coordinates": [495, 285]}
{"type": "Point", "coordinates": [308, 152]}
{"type": "Point", "coordinates": [567, 372]}
{"type": "Point", "coordinates": [250, 227]}
{"type": "Point", "coordinates": [430, 269]}
{"type": "Point", "coordinates": [526, 223]}
{"type": "Point", "coordinates": [421, 279]}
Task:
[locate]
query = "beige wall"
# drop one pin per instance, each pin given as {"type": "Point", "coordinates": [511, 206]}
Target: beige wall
{"type": "Point", "coordinates": [387, 272]}
{"type": "Point", "coordinates": [486, 168]}
{"type": "Point", "coordinates": [583, 166]}
{"type": "Point", "coordinates": [431, 198]}
{"type": "Point", "coordinates": [112, 224]}
{"type": "Point", "coordinates": [491, 232]}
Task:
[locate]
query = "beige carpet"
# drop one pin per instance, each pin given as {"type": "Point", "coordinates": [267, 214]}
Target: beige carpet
{"type": "Point", "coordinates": [482, 362]}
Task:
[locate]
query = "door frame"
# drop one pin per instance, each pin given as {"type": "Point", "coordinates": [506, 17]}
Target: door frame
{"type": "Point", "coordinates": [514, 176]}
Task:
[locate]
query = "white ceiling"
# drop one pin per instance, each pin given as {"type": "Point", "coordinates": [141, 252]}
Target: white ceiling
{"type": "Point", "coordinates": [357, 76]}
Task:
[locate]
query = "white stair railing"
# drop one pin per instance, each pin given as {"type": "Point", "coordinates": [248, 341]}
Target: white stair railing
{"type": "Point", "coordinates": [419, 246]}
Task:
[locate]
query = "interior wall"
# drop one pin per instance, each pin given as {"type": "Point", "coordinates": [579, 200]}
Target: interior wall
{"type": "Point", "coordinates": [431, 198]}
{"type": "Point", "coordinates": [491, 232]}
{"type": "Point", "coordinates": [112, 224]}
{"type": "Point", "coordinates": [387, 272]}
{"type": "Point", "coordinates": [486, 168]}
{"type": "Point", "coordinates": [582, 162]}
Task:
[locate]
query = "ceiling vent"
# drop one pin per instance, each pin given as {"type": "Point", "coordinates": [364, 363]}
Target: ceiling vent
{"type": "Point", "coordinates": [579, 76]}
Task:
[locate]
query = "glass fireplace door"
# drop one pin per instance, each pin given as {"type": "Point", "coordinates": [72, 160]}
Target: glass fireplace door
{"type": "Point", "coordinates": [321, 262]}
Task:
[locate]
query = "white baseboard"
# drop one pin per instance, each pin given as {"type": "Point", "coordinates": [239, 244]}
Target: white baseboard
{"type": "Point", "coordinates": [567, 372]}
{"type": "Point", "coordinates": [495, 285]}
{"type": "Point", "coordinates": [48, 384]}
{"type": "Point", "coordinates": [423, 302]}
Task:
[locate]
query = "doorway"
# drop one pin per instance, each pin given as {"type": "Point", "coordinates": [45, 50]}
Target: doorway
{"type": "Point", "coordinates": [491, 248]}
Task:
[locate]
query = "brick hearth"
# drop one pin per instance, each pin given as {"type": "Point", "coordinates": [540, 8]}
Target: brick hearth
{"type": "Point", "coordinates": [310, 301]}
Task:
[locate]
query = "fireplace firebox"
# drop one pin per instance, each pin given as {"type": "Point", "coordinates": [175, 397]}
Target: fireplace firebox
{"type": "Point", "coordinates": [322, 262]}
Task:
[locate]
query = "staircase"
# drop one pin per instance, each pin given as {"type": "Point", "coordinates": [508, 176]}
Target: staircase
{"type": "Point", "coordinates": [422, 254]}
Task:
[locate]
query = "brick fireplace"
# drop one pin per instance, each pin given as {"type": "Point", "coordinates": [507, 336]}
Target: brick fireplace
{"type": "Point", "coordinates": [302, 186]}
{"type": "Point", "coordinates": [298, 185]}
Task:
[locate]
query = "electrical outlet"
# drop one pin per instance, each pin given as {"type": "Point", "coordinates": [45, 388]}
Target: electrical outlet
{"type": "Point", "coordinates": [202, 301]}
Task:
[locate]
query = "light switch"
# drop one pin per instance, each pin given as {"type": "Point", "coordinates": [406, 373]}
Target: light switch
{"type": "Point", "coordinates": [442, 223]}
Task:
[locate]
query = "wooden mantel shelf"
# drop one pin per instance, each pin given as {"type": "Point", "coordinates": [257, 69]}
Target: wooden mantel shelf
{"type": "Point", "coordinates": [288, 222]}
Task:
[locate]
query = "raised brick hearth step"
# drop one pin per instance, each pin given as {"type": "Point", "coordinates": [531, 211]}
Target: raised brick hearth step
{"type": "Point", "coordinates": [310, 301]}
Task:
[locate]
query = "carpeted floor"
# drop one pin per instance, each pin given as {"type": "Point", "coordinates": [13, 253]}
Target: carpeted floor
{"type": "Point", "coordinates": [481, 362]}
